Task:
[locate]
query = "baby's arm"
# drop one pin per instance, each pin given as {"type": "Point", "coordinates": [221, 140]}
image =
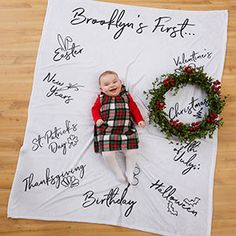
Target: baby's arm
{"type": "Point", "coordinates": [96, 113]}
{"type": "Point", "coordinates": [135, 112]}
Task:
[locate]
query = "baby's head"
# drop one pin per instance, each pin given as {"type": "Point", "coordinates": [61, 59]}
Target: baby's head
{"type": "Point", "coordinates": [110, 84]}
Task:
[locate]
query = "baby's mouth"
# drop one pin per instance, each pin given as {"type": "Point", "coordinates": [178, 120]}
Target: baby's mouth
{"type": "Point", "coordinates": [113, 90]}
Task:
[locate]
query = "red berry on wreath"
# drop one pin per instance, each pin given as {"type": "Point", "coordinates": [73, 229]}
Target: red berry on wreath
{"type": "Point", "coordinates": [160, 105]}
{"type": "Point", "coordinates": [188, 69]}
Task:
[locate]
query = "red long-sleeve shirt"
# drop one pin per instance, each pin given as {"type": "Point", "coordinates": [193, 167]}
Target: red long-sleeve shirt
{"type": "Point", "coordinates": [135, 112]}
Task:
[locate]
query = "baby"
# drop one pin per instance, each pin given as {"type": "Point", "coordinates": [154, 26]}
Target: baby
{"type": "Point", "coordinates": [113, 113]}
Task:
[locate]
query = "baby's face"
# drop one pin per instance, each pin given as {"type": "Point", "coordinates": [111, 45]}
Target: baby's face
{"type": "Point", "coordinates": [111, 85]}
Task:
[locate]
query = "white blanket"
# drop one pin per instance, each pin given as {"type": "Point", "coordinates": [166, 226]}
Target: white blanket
{"type": "Point", "coordinates": [59, 177]}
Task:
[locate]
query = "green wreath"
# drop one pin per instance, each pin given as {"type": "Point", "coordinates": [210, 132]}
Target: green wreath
{"type": "Point", "coordinates": [174, 128]}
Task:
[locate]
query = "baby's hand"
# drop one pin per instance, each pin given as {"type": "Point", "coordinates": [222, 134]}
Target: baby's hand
{"type": "Point", "coordinates": [99, 122]}
{"type": "Point", "coordinates": [141, 124]}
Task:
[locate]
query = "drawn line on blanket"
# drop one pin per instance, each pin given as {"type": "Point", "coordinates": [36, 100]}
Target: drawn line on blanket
{"type": "Point", "coordinates": [195, 108]}
{"type": "Point", "coordinates": [66, 179]}
{"type": "Point", "coordinates": [59, 88]}
{"type": "Point", "coordinates": [193, 58]}
{"type": "Point", "coordinates": [167, 193]}
{"type": "Point", "coordinates": [109, 199]}
{"type": "Point", "coordinates": [186, 154]}
{"type": "Point", "coordinates": [162, 24]}
{"type": "Point", "coordinates": [67, 49]}
{"type": "Point", "coordinates": [52, 136]}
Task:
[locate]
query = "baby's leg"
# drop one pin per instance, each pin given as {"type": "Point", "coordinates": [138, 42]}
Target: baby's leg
{"type": "Point", "coordinates": [131, 160]}
{"type": "Point", "coordinates": [110, 158]}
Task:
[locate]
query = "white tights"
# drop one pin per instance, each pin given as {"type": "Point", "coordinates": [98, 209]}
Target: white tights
{"type": "Point", "coordinates": [130, 161]}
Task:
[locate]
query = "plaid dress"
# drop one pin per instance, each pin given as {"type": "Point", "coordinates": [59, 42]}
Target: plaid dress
{"type": "Point", "coordinates": [118, 131]}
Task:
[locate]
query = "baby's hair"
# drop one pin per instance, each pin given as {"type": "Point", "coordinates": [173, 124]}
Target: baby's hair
{"type": "Point", "coordinates": [107, 72]}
